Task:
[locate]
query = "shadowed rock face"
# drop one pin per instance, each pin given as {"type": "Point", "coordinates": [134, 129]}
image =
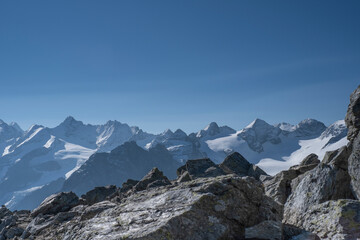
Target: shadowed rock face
{"type": "Point", "coordinates": [237, 164]}
{"type": "Point", "coordinates": [352, 120]}
{"type": "Point", "coordinates": [124, 162]}
{"type": "Point", "coordinates": [99, 194]}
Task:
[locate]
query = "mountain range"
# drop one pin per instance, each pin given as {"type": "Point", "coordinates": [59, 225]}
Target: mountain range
{"type": "Point", "coordinates": [76, 156]}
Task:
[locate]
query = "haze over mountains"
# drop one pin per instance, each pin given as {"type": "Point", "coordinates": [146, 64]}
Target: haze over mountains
{"type": "Point", "coordinates": [41, 160]}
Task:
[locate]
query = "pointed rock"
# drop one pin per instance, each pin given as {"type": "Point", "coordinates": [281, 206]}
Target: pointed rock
{"type": "Point", "coordinates": [56, 203]}
{"type": "Point", "coordinates": [200, 168]}
{"type": "Point", "coordinates": [154, 178]}
{"type": "Point", "coordinates": [237, 164]}
{"type": "Point", "coordinates": [99, 194]}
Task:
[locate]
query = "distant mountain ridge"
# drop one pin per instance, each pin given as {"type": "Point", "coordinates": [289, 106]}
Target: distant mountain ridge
{"type": "Point", "coordinates": [30, 160]}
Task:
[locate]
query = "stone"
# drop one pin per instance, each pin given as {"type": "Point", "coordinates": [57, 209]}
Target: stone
{"type": "Point", "coordinates": [280, 186]}
{"type": "Point", "coordinates": [128, 185]}
{"type": "Point", "coordinates": [323, 183]}
{"type": "Point", "coordinates": [206, 208]}
{"type": "Point", "coordinates": [338, 220]}
{"type": "Point", "coordinates": [55, 203]}
{"type": "Point", "coordinates": [352, 121]}
{"type": "Point", "coordinates": [270, 230]}
{"type": "Point", "coordinates": [352, 118]}
{"type": "Point", "coordinates": [12, 224]}
{"type": "Point", "coordinates": [154, 178]}
{"type": "Point", "coordinates": [354, 167]}
{"type": "Point", "coordinates": [99, 194]}
{"type": "Point", "coordinates": [237, 164]}
{"type": "Point", "coordinates": [310, 159]}
{"type": "Point", "coordinates": [201, 168]}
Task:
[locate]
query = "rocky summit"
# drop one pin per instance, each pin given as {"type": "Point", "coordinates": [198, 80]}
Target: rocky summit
{"type": "Point", "coordinates": [318, 199]}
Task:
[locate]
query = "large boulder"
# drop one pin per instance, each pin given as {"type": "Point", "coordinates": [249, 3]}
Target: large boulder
{"type": "Point", "coordinates": [310, 159]}
{"type": "Point", "coordinates": [56, 203]}
{"type": "Point", "coordinates": [280, 186]}
{"type": "Point", "coordinates": [323, 183]}
{"type": "Point", "coordinates": [205, 208]}
{"type": "Point", "coordinates": [99, 194]}
{"type": "Point", "coordinates": [339, 220]}
{"type": "Point", "coordinates": [237, 164]}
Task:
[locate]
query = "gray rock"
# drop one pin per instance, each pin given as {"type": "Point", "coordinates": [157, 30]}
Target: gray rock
{"type": "Point", "coordinates": [310, 159]}
{"type": "Point", "coordinates": [354, 167]}
{"type": "Point", "coordinates": [201, 168]}
{"type": "Point", "coordinates": [323, 183]}
{"type": "Point", "coordinates": [295, 233]}
{"type": "Point", "coordinates": [236, 163]}
{"type": "Point", "coordinates": [352, 118]}
{"type": "Point", "coordinates": [270, 230]}
{"type": "Point", "coordinates": [205, 208]}
{"type": "Point", "coordinates": [335, 220]}
{"type": "Point", "coordinates": [280, 186]}
{"type": "Point", "coordinates": [154, 178]}
{"type": "Point", "coordinates": [352, 121]}
{"type": "Point", "coordinates": [55, 203]}
{"type": "Point", "coordinates": [128, 185]}
{"type": "Point", "coordinates": [12, 224]}
{"type": "Point", "coordinates": [99, 194]}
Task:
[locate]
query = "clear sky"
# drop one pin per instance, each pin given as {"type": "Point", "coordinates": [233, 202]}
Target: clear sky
{"type": "Point", "coordinates": [177, 64]}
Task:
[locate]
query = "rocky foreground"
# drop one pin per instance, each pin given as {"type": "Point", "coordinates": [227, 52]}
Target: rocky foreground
{"type": "Point", "coordinates": [233, 200]}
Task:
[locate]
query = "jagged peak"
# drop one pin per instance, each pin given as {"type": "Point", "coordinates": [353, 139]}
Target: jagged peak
{"type": "Point", "coordinates": [257, 122]}
{"type": "Point", "coordinates": [210, 126]}
{"type": "Point", "coordinates": [16, 126]}
{"type": "Point", "coordinates": [70, 120]}
{"type": "Point", "coordinates": [167, 132]}
{"type": "Point", "coordinates": [180, 132]}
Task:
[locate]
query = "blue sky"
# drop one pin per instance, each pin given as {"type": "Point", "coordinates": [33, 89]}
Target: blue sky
{"type": "Point", "coordinates": [177, 64]}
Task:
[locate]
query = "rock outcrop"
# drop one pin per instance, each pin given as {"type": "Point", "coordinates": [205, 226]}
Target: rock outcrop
{"type": "Point", "coordinates": [13, 224]}
{"type": "Point", "coordinates": [332, 219]}
{"type": "Point", "coordinates": [154, 178]}
{"type": "Point", "coordinates": [237, 164]}
{"type": "Point", "coordinates": [280, 186]}
{"type": "Point", "coordinates": [352, 121]}
{"type": "Point", "coordinates": [99, 194]}
{"type": "Point", "coordinates": [56, 203]}
{"type": "Point", "coordinates": [200, 168]}
{"type": "Point", "coordinates": [206, 208]}
{"type": "Point", "coordinates": [323, 183]}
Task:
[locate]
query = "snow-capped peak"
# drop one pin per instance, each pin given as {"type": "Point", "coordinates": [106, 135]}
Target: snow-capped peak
{"type": "Point", "coordinates": [309, 127]}
{"type": "Point", "coordinates": [258, 123]}
{"type": "Point", "coordinates": [212, 127]}
{"type": "Point", "coordinates": [71, 121]}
